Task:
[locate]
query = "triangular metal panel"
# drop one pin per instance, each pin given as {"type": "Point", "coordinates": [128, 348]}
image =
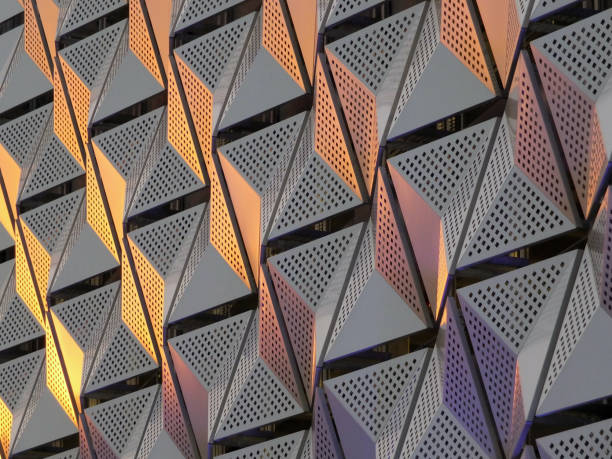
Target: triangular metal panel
{"type": "Point", "coordinates": [17, 324]}
{"type": "Point", "coordinates": [266, 86]}
{"type": "Point", "coordinates": [132, 83]}
{"type": "Point", "coordinates": [81, 12]}
{"type": "Point", "coordinates": [343, 9]}
{"type": "Point", "coordinates": [204, 382]}
{"type": "Point", "coordinates": [166, 176]}
{"type": "Point", "coordinates": [121, 422]}
{"type": "Point", "coordinates": [194, 11]}
{"type": "Point", "coordinates": [88, 56]}
{"type": "Point", "coordinates": [324, 439]}
{"type": "Point", "coordinates": [287, 446]}
{"type": "Point", "coordinates": [363, 401]}
{"type": "Point", "coordinates": [87, 257]}
{"type": "Point", "coordinates": [434, 96]}
{"type": "Point", "coordinates": [52, 166]}
{"type": "Point", "coordinates": [333, 196]}
{"type": "Point", "coordinates": [23, 81]}
{"type": "Point", "coordinates": [590, 439]}
{"type": "Point", "coordinates": [581, 52]}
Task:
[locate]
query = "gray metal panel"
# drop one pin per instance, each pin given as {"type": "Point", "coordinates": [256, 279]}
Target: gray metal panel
{"type": "Point", "coordinates": [267, 85]}
{"type": "Point", "coordinates": [582, 51]}
{"type": "Point", "coordinates": [23, 82]}
{"type": "Point", "coordinates": [544, 7]}
{"type": "Point", "coordinates": [81, 12]}
{"type": "Point", "coordinates": [53, 166]}
{"type": "Point", "coordinates": [8, 9]}
{"type": "Point", "coordinates": [343, 9]}
{"type": "Point", "coordinates": [287, 446]}
{"type": "Point", "coordinates": [194, 11]}
{"type": "Point", "coordinates": [6, 241]}
{"type": "Point", "coordinates": [47, 423]}
{"type": "Point", "coordinates": [131, 83]}
{"type": "Point", "coordinates": [379, 315]}
{"type": "Point", "coordinates": [591, 440]}
{"type": "Point", "coordinates": [88, 257]}
{"type": "Point", "coordinates": [214, 283]}
{"type": "Point", "coordinates": [435, 96]}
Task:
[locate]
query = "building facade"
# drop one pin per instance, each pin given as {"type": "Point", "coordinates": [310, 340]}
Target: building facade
{"type": "Point", "coordinates": [315, 229]}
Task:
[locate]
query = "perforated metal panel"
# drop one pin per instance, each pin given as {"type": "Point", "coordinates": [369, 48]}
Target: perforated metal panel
{"type": "Point", "coordinates": [305, 229]}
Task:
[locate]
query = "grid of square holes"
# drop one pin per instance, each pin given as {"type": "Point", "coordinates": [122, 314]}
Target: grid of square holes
{"type": "Point", "coordinates": [325, 443]}
{"type": "Point", "coordinates": [369, 53]}
{"type": "Point", "coordinates": [25, 284]}
{"type": "Point", "coordinates": [343, 9]}
{"type": "Point", "coordinates": [263, 400]}
{"type": "Point", "coordinates": [16, 375]}
{"type": "Point", "coordinates": [34, 41]}
{"type": "Point", "coordinates": [17, 325]}
{"type": "Point", "coordinates": [174, 422]}
{"type": "Point", "coordinates": [448, 438]}
{"type": "Point", "coordinates": [582, 306]}
{"type": "Point", "coordinates": [276, 39]}
{"type": "Point", "coordinates": [359, 106]}
{"type": "Point", "coordinates": [120, 419]}
{"type": "Point", "coordinates": [132, 312]}
{"type": "Point", "coordinates": [41, 261]}
{"type": "Point", "coordinates": [49, 221]}
{"type": "Point", "coordinates": [86, 313]}
{"type": "Point", "coordinates": [126, 145]}
{"type": "Point", "coordinates": [96, 213]}
{"type": "Point", "coordinates": [319, 194]}
{"type": "Point", "coordinates": [123, 359]}
{"type": "Point", "coordinates": [272, 346]}
{"type": "Point", "coordinates": [258, 156]}
{"type": "Point", "coordinates": [208, 55]}
{"type": "Point", "coordinates": [222, 231]}
{"type": "Point", "coordinates": [511, 303]}
{"type": "Point", "coordinates": [460, 391]}
{"type": "Point", "coordinates": [166, 177]}
{"type": "Point", "coordinates": [54, 166]}
{"type": "Point", "coordinates": [589, 441]}
{"type": "Point", "coordinates": [426, 45]}
{"type": "Point", "coordinates": [329, 136]}
{"type": "Point", "coordinates": [584, 51]}
{"type": "Point", "coordinates": [459, 34]}
{"type": "Point", "coordinates": [162, 241]}
{"type": "Point", "coordinates": [87, 56]}
{"type": "Point", "coordinates": [520, 215]}
{"type": "Point", "coordinates": [79, 95]}
{"type": "Point", "coordinates": [456, 211]}
{"type": "Point", "coordinates": [20, 137]}
{"type": "Point", "coordinates": [200, 103]}
{"type": "Point", "coordinates": [81, 12]}
{"type": "Point", "coordinates": [363, 268]}
{"type": "Point", "coordinates": [534, 150]}
{"type": "Point", "coordinates": [391, 256]}
{"type": "Point", "coordinates": [179, 134]}
{"type": "Point", "coordinates": [427, 406]}
{"type": "Point", "coordinates": [56, 379]}
{"type": "Point", "coordinates": [436, 169]}
{"type": "Point", "coordinates": [310, 268]}
{"type": "Point", "coordinates": [389, 437]}
{"type": "Point", "coordinates": [497, 365]}
{"type": "Point", "coordinates": [196, 10]}
{"type": "Point", "coordinates": [62, 121]}
{"type": "Point", "coordinates": [499, 165]}
{"type": "Point", "coordinates": [300, 322]}
{"type": "Point", "coordinates": [370, 394]}
{"type": "Point", "coordinates": [140, 41]}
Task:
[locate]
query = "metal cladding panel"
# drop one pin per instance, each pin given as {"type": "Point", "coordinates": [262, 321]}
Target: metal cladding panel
{"type": "Point", "coordinates": [305, 229]}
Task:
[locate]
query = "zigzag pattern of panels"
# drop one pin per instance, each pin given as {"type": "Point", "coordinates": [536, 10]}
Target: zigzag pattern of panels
{"type": "Point", "coordinates": [307, 229]}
